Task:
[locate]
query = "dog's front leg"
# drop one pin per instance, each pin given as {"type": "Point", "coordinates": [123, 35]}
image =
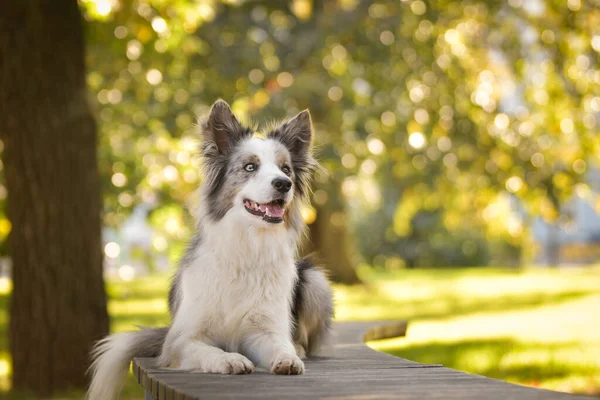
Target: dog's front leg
{"type": "Point", "coordinates": [274, 351]}
{"type": "Point", "coordinates": [186, 347]}
{"type": "Point", "coordinates": [202, 357]}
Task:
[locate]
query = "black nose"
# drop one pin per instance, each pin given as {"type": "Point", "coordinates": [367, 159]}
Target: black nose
{"type": "Point", "coordinates": [282, 185]}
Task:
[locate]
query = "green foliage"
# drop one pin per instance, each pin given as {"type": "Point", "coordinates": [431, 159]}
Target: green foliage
{"type": "Point", "coordinates": [424, 111]}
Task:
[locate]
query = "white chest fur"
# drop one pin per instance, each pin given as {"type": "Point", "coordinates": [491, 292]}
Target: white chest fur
{"type": "Point", "coordinates": [241, 277]}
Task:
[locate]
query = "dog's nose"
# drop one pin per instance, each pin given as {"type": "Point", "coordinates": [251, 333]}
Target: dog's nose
{"type": "Point", "coordinates": [282, 185]}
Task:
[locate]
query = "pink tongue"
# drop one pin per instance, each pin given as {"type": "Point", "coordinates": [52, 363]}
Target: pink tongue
{"type": "Point", "coordinates": [275, 210]}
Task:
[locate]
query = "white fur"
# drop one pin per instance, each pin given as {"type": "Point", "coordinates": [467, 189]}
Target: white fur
{"type": "Point", "coordinates": [237, 293]}
{"type": "Point", "coordinates": [112, 356]}
{"type": "Point", "coordinates": [234, 297]}
{"type": "Point", "coordinates": [258, 188]}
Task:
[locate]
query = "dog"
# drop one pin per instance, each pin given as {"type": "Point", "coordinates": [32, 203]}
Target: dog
{"type": "Point", "coordinates": [239, 298]}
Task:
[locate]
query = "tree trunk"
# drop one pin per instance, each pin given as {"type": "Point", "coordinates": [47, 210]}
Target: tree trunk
{"type": "Point", "coordinates": [58, 304]}
{"type": "Point", "coordinates": [330, 238]}
{"type": "Point", "coordinates": [553, 244]}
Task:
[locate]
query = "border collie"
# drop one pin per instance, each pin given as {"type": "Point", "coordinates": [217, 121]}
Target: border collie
{"type": "Point", "coordinates": [240, 298]}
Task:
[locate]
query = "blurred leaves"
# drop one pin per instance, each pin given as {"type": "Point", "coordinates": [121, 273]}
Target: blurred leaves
{"type": "Point", "coordinates": [427, 113]}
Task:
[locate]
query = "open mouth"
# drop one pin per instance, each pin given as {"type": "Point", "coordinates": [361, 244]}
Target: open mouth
{"type": "Point", "coordinates": [271, 212]}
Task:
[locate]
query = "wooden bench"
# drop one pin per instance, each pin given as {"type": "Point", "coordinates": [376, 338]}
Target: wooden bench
{"type": "Point", "coordinates": [355, 372]}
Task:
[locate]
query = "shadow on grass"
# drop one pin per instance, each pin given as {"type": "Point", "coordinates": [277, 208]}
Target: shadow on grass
{"type": "Point", "coordinates": [377, 305]}
{"type": "Point", "coordinates": [450, 305]}
{"type": "Point", "coordinates": [130, 321]}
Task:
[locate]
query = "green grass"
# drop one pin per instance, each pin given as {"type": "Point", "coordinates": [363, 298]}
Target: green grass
{"type": "Point", "coordinates": [534, 327]}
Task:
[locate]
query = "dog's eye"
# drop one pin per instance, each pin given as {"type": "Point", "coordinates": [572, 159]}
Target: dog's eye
{"type": "Point", "coordinates": [250, 167]}
{"type": "Point", "coordinates": [286, 170]}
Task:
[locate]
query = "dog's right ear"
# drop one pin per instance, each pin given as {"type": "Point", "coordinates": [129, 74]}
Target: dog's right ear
{"type": "Point", "coordinates": [296, 134]}
{"type": "Point", "coordinates": [221, 130]}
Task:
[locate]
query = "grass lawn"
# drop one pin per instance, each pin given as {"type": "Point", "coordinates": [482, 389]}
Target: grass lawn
{"type": "Point", "coordinates": [534, 327]}
{"type": "Point", "coordinates": [537, 327]}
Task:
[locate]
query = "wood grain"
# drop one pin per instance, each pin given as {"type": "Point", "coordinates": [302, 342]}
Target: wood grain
{"type": "Point", "coordinates": [354, 372]}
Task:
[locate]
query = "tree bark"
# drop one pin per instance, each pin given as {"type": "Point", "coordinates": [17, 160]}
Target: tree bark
{"type": "Point", "coordinates": [58, 304]}
{"type": "Point", "coordinates": [330, 238]}
{"type": "Point", "coordinates": [553, 244]}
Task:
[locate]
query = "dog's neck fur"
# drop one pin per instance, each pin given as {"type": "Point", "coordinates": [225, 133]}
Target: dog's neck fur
{"type": "Point", "coordinates": [238, 246]}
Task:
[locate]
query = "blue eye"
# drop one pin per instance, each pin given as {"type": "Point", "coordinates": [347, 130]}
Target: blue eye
{"type": "Point", "coordinates": [250, 167]}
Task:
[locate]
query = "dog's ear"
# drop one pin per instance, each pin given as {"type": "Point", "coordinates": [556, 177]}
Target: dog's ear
{"type": "Point", "coordinates": [296, 134]}
{"type": "Point", "coordinates": [221, 130]}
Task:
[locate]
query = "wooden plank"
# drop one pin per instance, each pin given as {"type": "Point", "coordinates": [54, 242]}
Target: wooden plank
{"type": "Point", "coordinates": [354, 372]}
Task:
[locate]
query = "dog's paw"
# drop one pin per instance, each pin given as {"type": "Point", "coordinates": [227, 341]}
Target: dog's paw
{"type": "Point", "coordinates": [287, 364]}
{"type": "Point", "coordinates": [232, 363]}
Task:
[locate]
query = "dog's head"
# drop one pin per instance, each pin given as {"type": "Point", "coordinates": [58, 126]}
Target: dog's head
{"type": "Point", "coordinates": [260, 180]}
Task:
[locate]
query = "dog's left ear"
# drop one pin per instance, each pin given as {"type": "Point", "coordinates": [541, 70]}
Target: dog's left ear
{"type": "Point", "coordinates": [296, 134]}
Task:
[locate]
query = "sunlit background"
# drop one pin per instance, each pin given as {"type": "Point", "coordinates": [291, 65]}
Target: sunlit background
{"type": "Point", "coordinates": [454, 134]}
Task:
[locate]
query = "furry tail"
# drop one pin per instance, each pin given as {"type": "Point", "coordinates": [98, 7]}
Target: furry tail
{"type": "Point", "coordinates": [112, 355]}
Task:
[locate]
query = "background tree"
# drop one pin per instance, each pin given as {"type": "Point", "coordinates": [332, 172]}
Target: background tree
{"type": "Point", "coordinates": [58, 303]}
{"type": "Point", "coordinates": [445, 127]}
{"type": "Point", "coordinates": [431, 116]}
